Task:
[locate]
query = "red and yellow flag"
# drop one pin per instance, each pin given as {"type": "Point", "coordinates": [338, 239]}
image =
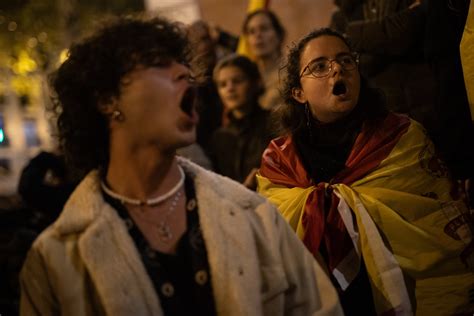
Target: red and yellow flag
{"type": "Point", "coordinates": [393, 200]}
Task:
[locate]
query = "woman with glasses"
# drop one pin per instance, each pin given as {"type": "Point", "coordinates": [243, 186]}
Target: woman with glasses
{"type": "Point", "coordinates": [365, 191]}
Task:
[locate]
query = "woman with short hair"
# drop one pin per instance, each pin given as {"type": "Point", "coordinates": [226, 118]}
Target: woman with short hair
{"type": "Point", "coordinates": [147, 232]}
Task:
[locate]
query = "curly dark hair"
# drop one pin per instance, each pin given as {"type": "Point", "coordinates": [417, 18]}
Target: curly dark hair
{"type": "Point", "coordinates": [93, 74]}
{"type": "Point", "coordinates": [277, 26]}
{"type": "Point", "coordinates": [291, 114]}
{"type": "Point", "coordinates": [249, 68]}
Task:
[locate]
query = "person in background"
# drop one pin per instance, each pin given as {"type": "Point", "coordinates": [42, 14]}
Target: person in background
{"type": "Point", "coordinates": [265, 35]}
{"type": "Point", "coordinates": [202, 60]}
{"type": "Point", "coordinates": [45, 185]}
{"type": "Point", "coordinates": [411, 51]}
{"type": "Point", "coordinates": [388, 35]}
{"type": "Point", "coordinates": [208, 46]}
{"type": "Point", "coordinates": [237, 147]}
{"type": "Point", "coordinates": [145, 232]}
{"type": "Point", "coordinates": [453, 134]}
{"type": "Point", "coordinates": [365, 191]}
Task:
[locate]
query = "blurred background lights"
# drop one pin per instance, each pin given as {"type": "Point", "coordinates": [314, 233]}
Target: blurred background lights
{"type": "Point", "coordinates": [32, 42]}
{"type": "Point", "coordinates": [42, 37]}
{"type": "Point", "coordinates": [12, 26]}
{"type": "Point", "coordinates": [63, 55]}
{"type": "Point", "coordinates": [25, 64]}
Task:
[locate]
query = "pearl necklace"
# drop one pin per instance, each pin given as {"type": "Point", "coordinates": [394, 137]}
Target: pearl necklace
{"type": "Point", "coordinates": [148, 202]}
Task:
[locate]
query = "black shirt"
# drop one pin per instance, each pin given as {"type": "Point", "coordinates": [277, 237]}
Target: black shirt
{"type": "Point", "coordinates": [238, 147]}
{"type": "Point", "coordinates": [182, 280]}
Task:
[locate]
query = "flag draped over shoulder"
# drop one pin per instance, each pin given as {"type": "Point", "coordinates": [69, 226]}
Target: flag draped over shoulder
{"type": "Point", "coordinates": [391, 205]}
{"type": "Point", "coordinates": [253, 5]}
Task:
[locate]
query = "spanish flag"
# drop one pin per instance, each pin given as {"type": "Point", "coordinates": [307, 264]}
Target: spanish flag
{"type": "Point", "coordinates": [253, 5]}
{"type": "Point", "coordinates": [392, 207]}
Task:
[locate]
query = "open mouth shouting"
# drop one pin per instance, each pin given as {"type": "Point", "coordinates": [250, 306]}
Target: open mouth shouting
{"type": "Point", "coordinates": [188, 104]}
{"type": "Point", "coordinates": [339, 88]}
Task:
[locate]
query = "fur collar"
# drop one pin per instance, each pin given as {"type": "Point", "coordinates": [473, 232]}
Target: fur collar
{"type": "Point", "coordinates": [85, 204]}
{"type": "Point", "coordinates": [229, 226]}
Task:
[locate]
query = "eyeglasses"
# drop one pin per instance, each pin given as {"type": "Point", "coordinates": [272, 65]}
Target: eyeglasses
{"type": "Point", "coordinates": [321, 67]}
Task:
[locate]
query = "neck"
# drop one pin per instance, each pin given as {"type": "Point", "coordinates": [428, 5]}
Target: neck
{"type": "Point", "coordinates": [268, 63]}
{"type": "Point", "coordinates": [243, 111]}
{"type": "Point", "coordinates": [141, 173]}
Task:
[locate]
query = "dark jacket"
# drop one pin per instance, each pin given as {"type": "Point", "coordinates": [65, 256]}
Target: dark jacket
{"type": "Point", "coordinates": [238, 147]}
{"type": "Point", "coordinates": [389, 37]}
{"type": "Point", "coordinates": [454, 132]}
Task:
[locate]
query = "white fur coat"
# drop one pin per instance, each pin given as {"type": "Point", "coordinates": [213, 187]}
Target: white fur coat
{"type": "Point", "coordinates": [86, 262]}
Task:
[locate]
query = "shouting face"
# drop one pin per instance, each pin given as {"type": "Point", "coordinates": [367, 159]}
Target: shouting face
{"type": "Point", "coordinates": [329, 77]}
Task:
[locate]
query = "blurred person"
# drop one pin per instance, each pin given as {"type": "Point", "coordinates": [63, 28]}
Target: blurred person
{"type": "Point", "coordinates": [204, 40]}
{"type": "Point", "coordinates": [420, 39]}
{"type": "Point", "coordinates": [145, 232]}
{"type": "Point", "coordinates": [203, 58]}
{"type": "Point", "coordinates": [19, 226]}
{"type": "Point", "coordinates": [388, 35]}
{"type": "Point", "coordinates": [453, 133]}
{"type": "Point", "coordinates": [365, 191]}
{"type": "Point", "coordinates": [203, 48]}
{"type": "Point", "coordinates": [265, 36]}
{"type": "Point", "coordinates": [207, 40]}
{"type": "Point", "coordinates": [236, 148]}
{"type": "Point", "coordinates": [412, 52]}
{"type": "Point", "coordinates": [45, 185]}
{"type": "Point", "coordinates": [227, 42]}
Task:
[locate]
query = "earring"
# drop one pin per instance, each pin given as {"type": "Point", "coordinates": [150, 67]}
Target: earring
{"type": "Point", "coordinates": [118, 116]}
{"type": "Point", "coordinates": [309, 120]}
{"type": "Point", "coordinates": [308, 115]}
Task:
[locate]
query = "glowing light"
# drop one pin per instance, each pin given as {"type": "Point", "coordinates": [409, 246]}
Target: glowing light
{"type": "Point", "coordinates": [32, 42]}
{"type": "Point", "coordinates": [12, 26]}
{"type": "Point", "coordinates": [63, 56]}
{"type": "Point", "coordinates": [25, 64]}
{"type": "Point", "coordinates": [2, 135]}
{"type": "Point", "coordinates": [27, 85]}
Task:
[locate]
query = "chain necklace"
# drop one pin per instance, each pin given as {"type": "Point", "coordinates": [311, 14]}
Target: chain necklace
{"type": "Point", "coordinates": [164, 229]}
{"type": "Point", "coordinates": [148, 202]}
{"type": "Point", "coordinates": [161, 227]}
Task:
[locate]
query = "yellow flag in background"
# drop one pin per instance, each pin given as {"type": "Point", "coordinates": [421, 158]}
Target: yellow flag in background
{"type": "Point", "coordinates": [253, 5]}
{"type": "Point", "coordinates": [467, 57]}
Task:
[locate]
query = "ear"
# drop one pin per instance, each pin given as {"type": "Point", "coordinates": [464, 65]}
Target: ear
{"type": "Point", "coordinates": [298, 95]}
{"type": "Point", "coordinates": [107, 107]}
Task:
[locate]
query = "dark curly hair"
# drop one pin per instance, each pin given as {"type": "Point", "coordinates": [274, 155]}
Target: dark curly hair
{"type": "Point", "coordinates": [249, 68]}
{"type": "Point", "coordinates": [277, 26]}
{"type": "Point", "coordinates": [291, 114]}
{"type": "Point", "coordinates": [93, 74]}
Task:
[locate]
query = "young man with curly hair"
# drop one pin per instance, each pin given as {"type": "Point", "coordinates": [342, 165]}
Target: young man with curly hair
{"type": "Point", "coordinates": [146, 232]}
